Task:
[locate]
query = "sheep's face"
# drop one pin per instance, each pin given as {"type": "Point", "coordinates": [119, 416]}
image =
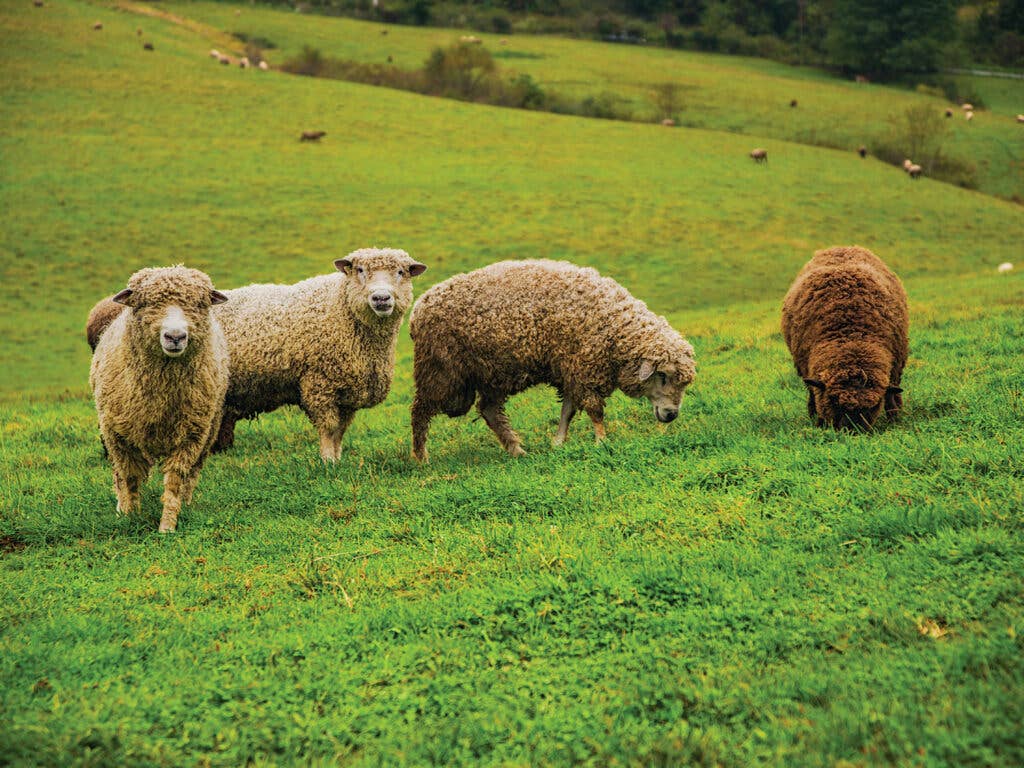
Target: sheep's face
{"type": "Point", "coordinates": [379, 280]}
{"type": "Point", "coordinates": [852, 405]}
{"type": "Point", "coordinates": [663, 384]}
{"type": "Point", "coordinates": [169, 307]}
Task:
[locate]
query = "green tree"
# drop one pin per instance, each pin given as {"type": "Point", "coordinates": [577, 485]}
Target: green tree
{"type": "Point", "coordinates": [882, 38]}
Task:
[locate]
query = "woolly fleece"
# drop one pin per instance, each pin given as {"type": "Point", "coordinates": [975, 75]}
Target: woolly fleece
{"type": "Point", "coordinates": [845, 321]}
{"type": "Point", "coordinates": [501, 329]}
{"type": "Point", "coordinates": [153, 407]}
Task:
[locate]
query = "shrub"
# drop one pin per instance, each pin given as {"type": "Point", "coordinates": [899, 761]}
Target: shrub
{"type": "Point", "coordinates": [667, 99]}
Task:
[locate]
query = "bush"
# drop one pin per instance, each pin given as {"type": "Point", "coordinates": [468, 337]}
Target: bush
{"type": "Point", "coordinates": [667, 99]}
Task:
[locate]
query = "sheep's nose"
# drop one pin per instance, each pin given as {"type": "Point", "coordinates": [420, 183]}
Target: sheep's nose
{"type": "Point", "coordinates": [175, 337]}
{"type": "Point", "coordinates": [668, 415]}
{"type": "Point", "coordinates": [381, 298]}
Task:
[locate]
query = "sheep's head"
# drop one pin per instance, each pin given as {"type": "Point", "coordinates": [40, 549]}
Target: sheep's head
{"type": "Point", "coordinates": [379, 281]}
{"type": "Point", "coordinates": [661, 377]}
{"type": "Point", "coordinates": [169, 307]}
{"type": "Point", "coordinates": [851, 400]}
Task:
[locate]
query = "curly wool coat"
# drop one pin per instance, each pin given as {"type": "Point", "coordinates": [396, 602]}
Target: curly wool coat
{"type": "Point", "coordinates": [151, 406]}
{"type": "Point", "coordinates": [501, 329]}
{"type": "Point", "coordinates": [845, 321]}
{"type": "Point", "coordinates": [317, 344]}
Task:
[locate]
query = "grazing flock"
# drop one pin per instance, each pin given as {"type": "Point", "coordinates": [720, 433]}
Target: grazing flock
{"type": "Point", "coordinates": [177, 363]}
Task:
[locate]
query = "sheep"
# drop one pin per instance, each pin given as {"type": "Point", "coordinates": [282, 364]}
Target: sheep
{"type": "Point", "coordinates": [147, 46]}
{"type": "Point", "coordinates": [37, 3]}
{"type": "Point", "coordinates": [668, 122]}
{"type": "Point", "coordinates": [97, 26]}
{"type": "Point", "coordinates": [327, 343]}
{"type": "Point", "coordinates": [759, 155]}
{"type": "Point", "coordinates": [792, 103]}
{"type": "Point", "coordinates": [969, 116]}
{"type": "Point", "coordinates": [1004, 268]}
{"type": "Point", "coordinates": [312, 135]}
{"type": "Point", "coordinates": [471, 40]}
{"type": "Point", "coordinates": [914, 170]}
{"type": "Point", "coordinates": [159, 376]}
{"type": "Point", "coordinates": [907, 162]}
{"type": "Point", "coordinates": [244, 62]}
{"type": "Point", "coordinates": [101, 316]}
{"type": "Point", "coordinates": [263, 66]}
{"type": "Point", "coordinates": [214, 53]}
{"type": "Point", "coordinates": [966, 107]}
{"type": "Point", "coordinates": [225, 60]}
{"type": "Point", "coordinates": [861, 79]}
{"type": "Point", "coordinates": [499, 330]}
{"type": "Point", "coordinates": [949, 113]}
{"type": "Point", "coordinates": [845, 322]}
{"type": "Point", "coordinates": [1020, 118]}
{"type": "Point", "coordinates": [862, 151]}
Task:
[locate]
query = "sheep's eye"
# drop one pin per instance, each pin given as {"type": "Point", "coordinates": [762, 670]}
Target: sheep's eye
{"type": "Point", "coordinates": [661, 378]}
{"type": "Point", "coordinates": [359, 270]}
{"type": "Point", "coordinates": [401, 273]}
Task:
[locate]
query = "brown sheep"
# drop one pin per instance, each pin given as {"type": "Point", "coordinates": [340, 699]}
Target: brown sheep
{"type": "Point", "coordinates": [862, 151]}
{"type": "Point", "coordinates": [504, 328]}
{"type": "Point", "coordinates": [312, 135]}
{"type": "Point", "coordinates": [914, 170]}
{"type": "Point", "coordinates": [759, 155]}
{"type": "Point", "coordinates": [792, 103]}
{"type": "Point", "coordinates": [845, 323]}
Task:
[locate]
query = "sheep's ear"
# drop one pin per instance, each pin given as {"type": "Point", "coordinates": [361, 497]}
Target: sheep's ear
{"type": "Point", "coordinates": [216, 297]}
{"type": "Point", "coordinates": [343, 265]}
{"type": "Point", "coordinates": [123, 297]}
{"type": "Point", "coordinates": [417, 269]}
{"type": "Point", "coordinates": [814, 383]}
{"type": "Point", "coordinates": [894, 390]}
{"type": "Point", "coordinates": [646, 370]}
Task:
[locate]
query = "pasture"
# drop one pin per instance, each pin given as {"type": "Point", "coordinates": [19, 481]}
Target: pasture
{"type": "Point", "coordinates": [736, 588]}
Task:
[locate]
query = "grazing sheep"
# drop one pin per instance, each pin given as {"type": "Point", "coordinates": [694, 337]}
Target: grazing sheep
{"type": "Point", "coordinates": [861, 79]}
{"type": "Point", "coordinates": [759, 155]}
{"type": "Point", "coordinates": [263, 66]}
{"type": "Point", "coordinates": [326, 344]}
{"type": "Point", "coordinates": [907, 162]}
{"type": "Point", "coordinates": [470, 40]}
{"type": "Point", "coordinates": [914, 170]}
{"type": "Point", "coordinates": [214, 53]}
{"type": "Point", "coordinates": [949, 113]}
{"type": "Point", "coordinates": [862, 151]}
{"type": "Point", "coordinates": [147, 46]}
{"type": "Point", "coordinates": [159, 376]}
{"type": "Point", "coordinates": [504, 328]}
{"type": "Point", "coordinates": [37, 3]}
{"type": "Point", "coordinates": [845, 323]}
{"type": "Point", "coordinates": [969, 116]}
{"type": "Point", "coordinates": [1020, 118]}
{"type": "Point", "coordinates": [792, 103]}
{"type": "Point", "coordinates": [244, 62]}
{"type": "Point", "coordinates": [668, 122]}
{"type": "Point", "coordinates": [966, 107]}
{"type": "Point", "coordinates": [225, 60]}
{"type": "Point", "coordinates": [98, 26]}
{"type": "Point", "coordinates": [312, 135]}
{"type": "Point", "coordinates": [1004, 268]}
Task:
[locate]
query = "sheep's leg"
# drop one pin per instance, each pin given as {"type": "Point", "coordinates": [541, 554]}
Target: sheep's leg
{"type": "Point", "coordinates": [322, 410]}
{"type": "Point", "coordinates": [344, 421]}
{"type": "Point", "coordinates": [226, 434]}
{"type": "Point", "coordinates": [594, 408]}
{"type": "Point", "coordinates": [173, 483]}
{"type": "Point", "coordinates": [812, 410]}
{"type": "Point", "coordinates": [494, 414]}
{"type": "Point", "coordinates": [422, 413]}
{"type": "Point", "coordinates": [568, 411]}
{"type": "Point", "coordinates": [893, 405]}
{"type": "Point", "coordinates": [130, 470]}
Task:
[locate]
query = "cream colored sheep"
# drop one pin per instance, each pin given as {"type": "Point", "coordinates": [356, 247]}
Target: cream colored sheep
{"type": "Point", "coordinates": [504, 328]}
{"type": "Point", "coordinates": [159, 376]}
{"type": "Point", "coordinates": [759, 155]}
{"type": "Point", "coordinates": [914, 170]}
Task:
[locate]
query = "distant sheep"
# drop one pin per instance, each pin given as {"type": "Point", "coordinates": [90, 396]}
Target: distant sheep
{"type": "Point", "coordinates": [862, 151]}
{"type": "Point", "coordinates": [907, 162]}
{"type": "Point", "coordinates": [244, 62]}
{"type": "Point", "coordinates": [214, 53]}
{"type": "Point", "coordinates": [861, 79]}
{"type": "Point", "coordinates": [147, 46]}
{"type": "Point", "coordinates": [949, 113]}
{"type": "Point", "coordinates": [37, 3]}
{"type": "Point", "coordinates": [759, 155]}
{"type": "Point", "coordinates": [914, 170]}
{"type": "Point", "coordinates": [1004, 268]}
{"type": "Point", "coordinates": [969, 116]}
{"type": "Point", "coordinates": [312, 135]}
{"type": "Point", "coordinates": [845, 321]}
{"type": "Point", "coordinates": [225, 60]}
{"type": "Point", "coordinates": [668, 122]}
{"type": "Point", "coordinates": [966, 107]}
{"type": "Point", "coordinates": [792, 103]}
{"type": "Point", "coordinates": [98, 26]}
{"type": "Point", "coordinates": [470, 40]}
{"type": "Point", "coordinates": [263, 66]}
{"type": "Point", "coordinates": [159, 376]}
{"type": "Point", "coordinates": [499, 330]}
{"type": "Point", "coordinates": [1020, 118]}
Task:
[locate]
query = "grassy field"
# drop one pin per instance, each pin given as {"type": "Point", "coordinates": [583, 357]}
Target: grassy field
{"type": "Point", "coordinates": [738, 588]}
{"type": "Point", "coordinates": [722, 93]}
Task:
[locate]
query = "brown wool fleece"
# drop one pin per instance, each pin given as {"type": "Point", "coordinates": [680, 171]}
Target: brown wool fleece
{"type": "Point", "coordinates": [845, 322]}
{"type": "Point", "coordinates": [152, 407]}
{"type": "Point", "coordinates": [514, 324]}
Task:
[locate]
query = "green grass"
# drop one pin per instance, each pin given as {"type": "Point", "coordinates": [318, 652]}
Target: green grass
{"type": "Point", "coordinates": [738, 588]}
{"type": "Point", "coordinates": [722, 93]}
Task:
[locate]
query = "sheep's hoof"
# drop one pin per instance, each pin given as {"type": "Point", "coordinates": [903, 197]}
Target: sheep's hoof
{"type": "Point", "coordinates": [515, 451]}
{"type": "Point", "coordinates": [423, 457]}
{"type": "Point", "coordinates": [558, 440]}
{"type": "Point", "coordinates": [168, 528]}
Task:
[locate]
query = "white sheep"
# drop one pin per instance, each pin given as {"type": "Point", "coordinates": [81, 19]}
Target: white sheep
{"type": "Point", "coordinates": [159, 376]}
{"type": "Point", "coordinates": [969, 116]}
{"type": "Point", "coordinates": [907, 162]}
{"type": "Point", "coordinates": [914, 170]}
{"type": "Point", "coordinates": [263, 66]}
{"type": "Point", "coordinates": [326, 344]}
{"type": "Point", "coordinates": [244, 62]}
{"type": "Point", "coordinates": [214, 53]}
{"type": "Point", "coordinates": [966, 107]}
{"type": "Point", "coordinates": [1004, 268]}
